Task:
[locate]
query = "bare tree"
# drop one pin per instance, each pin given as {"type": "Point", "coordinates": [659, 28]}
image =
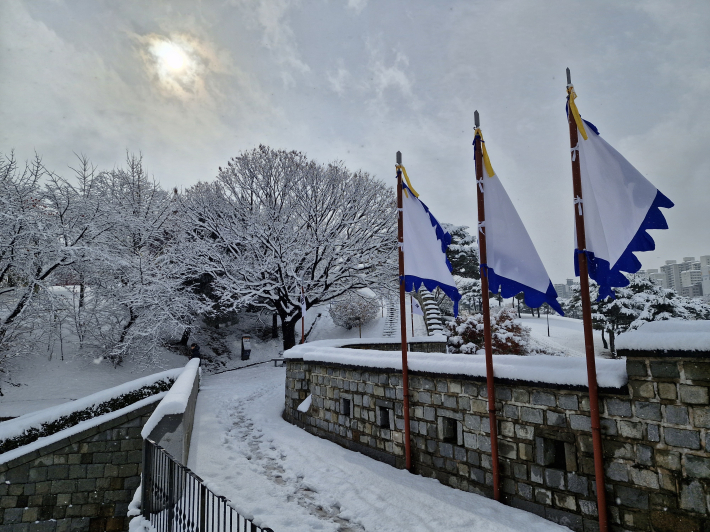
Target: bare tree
{"type": "Point", "coordinates": [275, 222]}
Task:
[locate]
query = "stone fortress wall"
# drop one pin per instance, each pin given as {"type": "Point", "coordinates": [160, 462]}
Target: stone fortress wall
{"type": "Point", "coordinates": [656, 436]}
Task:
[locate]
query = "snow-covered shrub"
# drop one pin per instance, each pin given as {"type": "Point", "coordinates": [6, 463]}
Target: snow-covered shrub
{"type": "Point", "coordinates": [507, 336]}
{"type": "Point", "coordinates": [353, 310]}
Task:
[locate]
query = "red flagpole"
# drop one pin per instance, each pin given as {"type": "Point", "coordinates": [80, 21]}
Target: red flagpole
{"type": "Point", "coordinates": [478, 155]}
{"type": "Point", "coordinates": [587, 319]}
{"type": "Point", "coordinates": [403, 317]}
{"type": "Point", "coordinates": [303, 317]}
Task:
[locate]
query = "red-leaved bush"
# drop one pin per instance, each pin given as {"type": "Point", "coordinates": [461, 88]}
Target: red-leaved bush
{"type": "Point", "coordinates": [507, 336]}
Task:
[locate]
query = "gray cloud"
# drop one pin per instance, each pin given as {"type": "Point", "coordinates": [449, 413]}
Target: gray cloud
{"type": "Point", "coordinates": [358, 81]}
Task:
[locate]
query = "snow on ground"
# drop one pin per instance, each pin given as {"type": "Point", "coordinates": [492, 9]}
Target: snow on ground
{"type": "Point", "coordinates": [292, 481]}
{"type": "Point", "coordinates": [325, 329]}
{"type": "Point", "coordinates": [566, 335]}
{"type": "Point", "coordinates": [39, 383]}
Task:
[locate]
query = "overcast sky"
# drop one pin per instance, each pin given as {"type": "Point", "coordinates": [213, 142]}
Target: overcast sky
{"type": "Point", "coordinates": [192, 83]}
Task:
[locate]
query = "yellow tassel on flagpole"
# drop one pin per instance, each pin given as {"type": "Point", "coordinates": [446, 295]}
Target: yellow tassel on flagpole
{"type": "Point", "coordinates": [575, 112]}
{"type": "Point", "coordinates": [409, 183]}
{"type": "Point", "coordinates": [486, 160]}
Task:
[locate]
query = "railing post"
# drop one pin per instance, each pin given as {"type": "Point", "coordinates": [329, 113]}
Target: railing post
{"type": "Point", "coordinates": [172, 498]}
{"type": "Point", "coordinates": [203, 508]}
{"type": "Point", "coordinates": [145, 497]}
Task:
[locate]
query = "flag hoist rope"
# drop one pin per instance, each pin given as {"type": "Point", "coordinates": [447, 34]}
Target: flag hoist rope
{"type": "Point", "coordinates": [481, 158]}
{"type": "Point", "coordinates": [577, 125]}
{"type": "Point", "coordinates": [402, 311]}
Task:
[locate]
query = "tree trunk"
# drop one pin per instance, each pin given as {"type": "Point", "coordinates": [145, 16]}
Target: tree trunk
{"type": "Point", "coordinates": [288, 328]}
{"type": "Point", "coordinates": [82, 295]}
{"type": "Point", "coordinates": [612, 347]}
{"type": "Point", "coordinates": [185, 336]}
{"type": "Point", "coordinates": [604, 340]}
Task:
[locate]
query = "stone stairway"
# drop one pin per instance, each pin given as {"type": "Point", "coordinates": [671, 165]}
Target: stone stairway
{"type": "Point", "coordinates": [392, 319]}
{"type": "Point", "coordinates": [432, 313]}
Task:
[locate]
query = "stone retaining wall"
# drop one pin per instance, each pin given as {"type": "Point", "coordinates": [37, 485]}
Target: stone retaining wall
{"type": "Point", "coordinates": [81, 483]}
{"type": "Point", "coordinates": [656, 437]}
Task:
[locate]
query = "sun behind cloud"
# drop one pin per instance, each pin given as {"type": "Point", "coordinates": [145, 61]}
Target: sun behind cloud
{"type": "Point", "coordinates": [176, 63]}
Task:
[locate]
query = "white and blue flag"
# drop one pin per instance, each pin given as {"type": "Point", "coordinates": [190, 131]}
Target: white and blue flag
{"type": "Point", "coordinates": [513, 265]}
{"type": "Point", "coordinates": [619, 205]}
{"type": "Point", "coordinates": [425, 244]}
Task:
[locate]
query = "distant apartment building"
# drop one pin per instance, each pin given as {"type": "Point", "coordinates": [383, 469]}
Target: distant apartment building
{"type": "Point", "coordinates": [564, 291]}
{"type": "Point", "coordinates": [689, 278]}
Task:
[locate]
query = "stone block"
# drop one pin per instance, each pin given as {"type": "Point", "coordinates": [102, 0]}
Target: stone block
{"type": "Point", "coordinates": [543, 496]}
{"type": "Point", "coordinates": [632, 497]}
{"type": "Point", "coordinates": [690, 439]}
{"type": "Point", "coordinates": [12, 516]}
{"type": "Point", "coordinates": [608, 427]}
{"type": "Point", "coordinates": [618, 471]}
{"type": "Point", "coordinates": [697, 466]}
{"type": "Point", "coordinates": [641, 389]}
{"type": "Point", "coordinates": [577, 484]}
{"type": "Point", "coordinates": [479, 405]}
{"type": "Point", "coordinates": [525, 451]}
{"type": "Point", "coordinates": [564, 500]}
{"type": "Point", "coordinates": [618, 407]}
{"type": "Point", "coordinates": [470, 440]}
{"type": "Point", "coordinates": [510, 411]}
{"type": "Point", "coordinates": [677, 415]}
{"type": "Point", "coordinates": [537, 474]}
{"type": "Point", "coordinates": [692, 497]}
{"type": "Point", "coordinates": [521, 396]}
{"type": "Point", "coordinates": [507, 428]}
{"type": "Point", "coordinates": [644, 455]}
{"type": "Point", "coordinates": [503, 393]}
{"type": "Point", "coordinates": [531, 415]}
{"type": "Point", "coordinates": [668, 459]}
{"type": "Point", "coordinates": [630, 429]}
{"type": "Point", "coordinates": [507, 449]}
{"type": "Point", "coordinates": [525, 491]}
{"type": "Point", "coordinates": [648, 411]}
{"type": "Point", "coordinates": [701, 417]}
{"type": "Point", "coordinates": [543, 398]}
{"type": "Point", "coordinates": [555, 478]}
{"type": "Point", "coordinates": [578, 422]}
{"type": "Point", "coordinates": [653, 433]}
{"type": "Point", "coordinates": [588, 507]}
{"type": "Point", "coordinates": [696, 395]}
{"type": "Point", "coordinates": [644, 477]}
{"type": "Point", "coordinates": [667, 390]}
{"type": "Point", "coordinates": [524, 432]}
{"type": "Point", "coordinates": [636, 368]}
{"type": "Point", "coordinates": [696, 371]}
{"type": "Point", "coordinates": [556, 419]}
{"type": "Point", "coordinates": [664, 369]}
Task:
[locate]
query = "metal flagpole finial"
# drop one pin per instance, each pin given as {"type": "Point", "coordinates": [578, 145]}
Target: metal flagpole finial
{"type": "Point", "coordinates": [569, 77]}
{"type": "Point", "coordinates": [476, 119]}
{"type": "Point", "coordinates": [399, 157]}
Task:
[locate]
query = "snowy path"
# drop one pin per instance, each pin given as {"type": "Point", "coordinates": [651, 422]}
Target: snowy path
{"type": "Point", "coordinates": [294, 482]}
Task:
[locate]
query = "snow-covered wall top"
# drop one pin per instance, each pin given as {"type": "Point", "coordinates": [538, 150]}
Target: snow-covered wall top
{"type": "Point", "coordinates": [175, 401]}
{"type": "Point", "coordinates": [673, 335]}
{"type": "Point", "coordinates": [542, 368]}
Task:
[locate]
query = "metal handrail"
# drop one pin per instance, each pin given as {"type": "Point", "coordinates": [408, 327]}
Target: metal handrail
{"type": "Point", "coordinates": [174, 499]}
